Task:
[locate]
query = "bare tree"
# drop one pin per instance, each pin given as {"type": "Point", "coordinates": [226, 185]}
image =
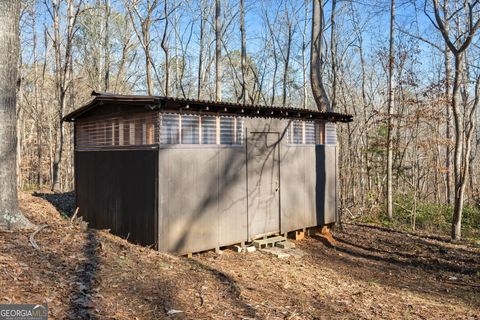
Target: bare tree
{"type": "Point", "coordinates": [164, 45]}
{"type": "Point", "coordinates": [10, 215]}
{"type": "Point", "coordinates": [304, 56]}
{"type": "Point", "coordinates": [286, 56]}
{"type": "Point", "coordinates": [464, 120]}
{"type": "Point", "coordinates": [203, 21]}
{"type": "Point", "coordinates": [391, 102]}
{"type": "Point", "coordinates": [144, 35]}
{"type": "Point", "coordinates": [448, 94]}
{"type": "Point", "coordinates": [218, 50]}
{"type": "Point", "coordinates": [108, 53]}
{"type": "Point", "coordinates": [333, 50]}
{"type": "Point", "coordinates": [107, 47]}
{"type": "Point", "coordinates": [316, 77]}
{"type": "Point", "coordinates": [244, 50]}
{"type": "Point", "coordinates": [63, 75]}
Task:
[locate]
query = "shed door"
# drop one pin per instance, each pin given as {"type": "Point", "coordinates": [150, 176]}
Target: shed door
{"type": "Point", "coordinates": [263, 184]}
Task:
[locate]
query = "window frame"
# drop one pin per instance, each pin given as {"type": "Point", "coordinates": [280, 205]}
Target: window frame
{"type": "Point", "coordinates": [238, 136]}
{"type": "Point", "coordinates": [296, 138]}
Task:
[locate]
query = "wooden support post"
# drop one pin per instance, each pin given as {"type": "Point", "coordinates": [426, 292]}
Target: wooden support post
{"type": "Point", "coordinates": [297, 235]}
{"type": "Point", "coordinates": [300, 234]}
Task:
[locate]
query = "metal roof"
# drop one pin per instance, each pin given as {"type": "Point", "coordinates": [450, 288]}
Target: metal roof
{"type": "Point", "coordinates": [184, 104]}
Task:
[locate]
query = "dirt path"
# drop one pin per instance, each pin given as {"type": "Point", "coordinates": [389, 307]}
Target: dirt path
{"type": "Point", "coordinates": [372, 273]}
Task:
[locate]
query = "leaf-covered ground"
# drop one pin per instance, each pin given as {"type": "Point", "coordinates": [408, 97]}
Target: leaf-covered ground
{"type": "Point", "coordinates": [372, 273]}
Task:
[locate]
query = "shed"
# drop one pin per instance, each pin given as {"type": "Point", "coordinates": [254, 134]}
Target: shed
{"type": "Point", "coordinates": [188, 175]}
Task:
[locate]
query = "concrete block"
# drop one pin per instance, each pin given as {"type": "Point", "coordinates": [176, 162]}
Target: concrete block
{"type": "Point", "coordinates": [251, 249]}
{"type": "Point", "coordinates": [296, 253]}
{"type": "Point", "coordinates": [277, 252]}
{"type": "Point", "coordinates": [285, 245]}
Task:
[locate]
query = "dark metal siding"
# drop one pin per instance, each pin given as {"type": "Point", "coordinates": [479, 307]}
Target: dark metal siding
{"type": "Point", "coordinates": [117, 190]}
{"type": "Point", "coordinates": [325, 184]}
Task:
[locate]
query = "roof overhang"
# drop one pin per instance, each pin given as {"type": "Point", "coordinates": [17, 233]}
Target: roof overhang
{"type": "Point", "coordinates": [186, 105]}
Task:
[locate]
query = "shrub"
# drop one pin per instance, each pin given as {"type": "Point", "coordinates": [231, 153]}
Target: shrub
{"type": "Point", "coordinates": [428, 216]}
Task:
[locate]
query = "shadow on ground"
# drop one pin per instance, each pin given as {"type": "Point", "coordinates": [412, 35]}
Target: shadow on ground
{"type": "Point", "coordinates": [81, 301]}
{"type": "Point", "coordinates": [403, 260]}
{"type": "Point", "coordinates": [63, 202]}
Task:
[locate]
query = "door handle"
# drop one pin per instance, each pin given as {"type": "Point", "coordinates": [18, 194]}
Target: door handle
{"type": "Point", "coordinates": [277, 186]}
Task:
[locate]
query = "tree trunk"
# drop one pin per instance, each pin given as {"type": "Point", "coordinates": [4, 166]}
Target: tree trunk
{"type": "Point", "coordinates": [459, 184]}
{"type": "Point", "coordinates": [333, 50]}
{"type": "Point", "coordinates": [304, 57]}
{"type": "Point", "coordinates": [38, 108]}
{"type": "Point", "coordinates": [218, 51]}
{"type": "Point", "coordinates": [391, 101]}
{"type": "Point", "coordinates": [448, 75]}
{"type": "Point", "coordinates": [61, 72]}
{"type": "Point", "coordinates": [10, 215]}
{"type": "Point", "coordinates": [60, 96]}
{"type": "Point", "coordinates": [244, 50]}
{"type": "Point", "coordinates": [464, 120]}
{"type": "Point", "coordinates": [106, 48]}
{"type": "Point", "coordinates": [316, 78]}
{"type": "Point", "coordinates": [148, 67]}
{"type": "Point", "coordinates": [164, 46]}
{"type": "Point", "coordinates": [287, 63]}
{"type": "Point", "coordinates": [200, 51]}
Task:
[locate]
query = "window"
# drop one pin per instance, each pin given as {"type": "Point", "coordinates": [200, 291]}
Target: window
{"type": "Point", "coordinates": [190, 129]}
{"type": "Point", "coordinates": [193, 129]}
{"type": "Point", "coordinates": [169, 129]}
{"type": "Point", "coordinates": [295, 132]}
{"type": "Point", "coordinates": [310, 132]}
{"type": "Point", "coordinates": [209, 130]}
{"type": "Point", "coordinates": [227, 128]}
{"type": "Point", "coordinates": [239, 131]}
{"type": "Point", "coordinates": [231, 130]}
{"type": "Point", "coordinates": [119, 131]}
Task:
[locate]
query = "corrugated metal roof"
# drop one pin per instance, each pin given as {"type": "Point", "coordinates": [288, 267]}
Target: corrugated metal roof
{"type": "Point", "coordinates": [185, 104]}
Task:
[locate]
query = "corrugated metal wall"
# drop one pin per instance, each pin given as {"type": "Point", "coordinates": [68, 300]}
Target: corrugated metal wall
{"type": "Point", "coordinates": [117, 190]}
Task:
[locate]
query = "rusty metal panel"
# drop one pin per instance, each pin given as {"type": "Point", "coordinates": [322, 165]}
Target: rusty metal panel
{"type": "Point", "coordinates": [117, 190]}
